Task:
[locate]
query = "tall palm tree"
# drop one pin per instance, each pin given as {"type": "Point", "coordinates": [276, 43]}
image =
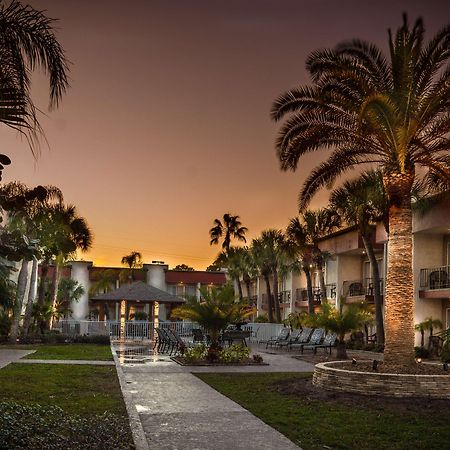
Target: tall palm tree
{"type": "Point", "coordinates": [362, 202]}
{"type": "Point", "coordinates": [133, 261]}
{"type": "Point", "coordinates": [371, 109]}
{"type": "Point", "coordinates": [314, 224]}
{"type": "Point", "coordinates": [233, 260]}
{"type": "Point", "coordinates": [269, 253]}
{"type": "Point", "coordinates": [231, 227]}
{"type": "Point", "coordinates": [27, 42]}
{"type": "Point", "coordinates": [24, 206]}
{"type": "Point", "coordinates": [300, 250]}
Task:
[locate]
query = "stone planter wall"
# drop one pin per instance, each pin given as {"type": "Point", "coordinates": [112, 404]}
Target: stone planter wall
{"type": "Point", "coordinates": [328, 376]}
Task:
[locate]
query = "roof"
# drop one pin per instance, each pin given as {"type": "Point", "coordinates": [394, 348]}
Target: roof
{"type": "Point", "coordinates": [191, 277]}
{"type": "Point", "coordinates": [140, 291]}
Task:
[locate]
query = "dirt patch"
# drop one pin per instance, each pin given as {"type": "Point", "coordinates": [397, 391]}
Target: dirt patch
{"type": "Point", "coordinates": [306, 392]}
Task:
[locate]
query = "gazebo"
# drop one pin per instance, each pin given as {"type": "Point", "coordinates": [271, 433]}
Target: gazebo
{"type": "Point", "coordinates": [125, 301]}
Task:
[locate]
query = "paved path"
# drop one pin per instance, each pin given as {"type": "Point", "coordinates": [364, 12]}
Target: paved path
{"type": "Point", "coordinates": [171, 409]}
{"type": "Point", "coordinates": [11, 355]}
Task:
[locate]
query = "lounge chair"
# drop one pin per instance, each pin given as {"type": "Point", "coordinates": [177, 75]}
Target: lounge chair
{"type": "Point", "coordinates": [292, 338]}
{"type": "Point", "coordinates": [328, 342]}
{"type": "Point", "coordinates": [303, 338]}
{"type": "Point", "coordinates": [282, 336]}
{"type": "Point", "coordinates": [315, 339]}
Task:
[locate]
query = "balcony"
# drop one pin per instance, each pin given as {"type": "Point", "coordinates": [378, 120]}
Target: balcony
{"type": "Point", "coordinates": [301, 297]}
{"type": "Point", "coordinates": [356, 291]}
{"type": "Point", "coordinates": [435, 282]}
{"type": "Point", "coordinates": [284, 298]}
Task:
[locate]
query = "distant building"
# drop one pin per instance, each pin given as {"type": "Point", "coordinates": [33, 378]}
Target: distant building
{"type": "Point", "coordinates": [180, 284]}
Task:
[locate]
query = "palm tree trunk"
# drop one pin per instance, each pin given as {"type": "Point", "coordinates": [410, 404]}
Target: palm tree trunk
{"type": "Point", "coordinates": [376, 288]}
{"type": "Point", "coordinates": [54, 297]}
{"type": "Point", "coordinates": [20, 294]}
{"type": "Point", "coordinates": [31, 297]}
{"type": "Point", "coordinates": [41, 292]}
{"type": "Point", "coordinates": [275, 296]}
{"type": "Point", "coordinates": [309, 290]}
{"type": "Point", "coordinates": [269, 299]}
{"type": "Point", "coordinates": [399, 318]}
{"type": "Point", "coordinates": [238, 282]}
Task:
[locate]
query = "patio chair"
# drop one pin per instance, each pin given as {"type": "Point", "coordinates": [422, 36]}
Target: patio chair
{"type": "Point", "coordinates": [315, 339]}
{"type": "Point", "coordinates": [303, 338]}
{"type": "Point", "coordinates": [328, 342]}
{"type": "Point", "coordinates": [294, 336]}
{"type": "Point", "coordinates": [282, 336]}
{"type": "Point", "coordinates": [199, 336]}
{"type": "Point", "coordinates": [162, 343]}
{"type": "Point", "coordinates": [177, 344]}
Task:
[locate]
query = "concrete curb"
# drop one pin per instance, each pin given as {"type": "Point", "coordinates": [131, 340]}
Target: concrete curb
{"type": "Point", "coordinates": [137, 430]}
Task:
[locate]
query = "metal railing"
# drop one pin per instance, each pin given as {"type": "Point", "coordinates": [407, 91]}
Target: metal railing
{"type": "Point", "coordinates": [143, 330]}
{"type": "Point", "coordinates": [354, 288]}
{"type": "Point", "coordinates": [435, 278]}
{"type": "Point", "coordinates": [284, 297]}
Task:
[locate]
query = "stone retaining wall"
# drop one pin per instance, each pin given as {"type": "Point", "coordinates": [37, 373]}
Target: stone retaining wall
{"type": "Point", "coordinates": [368, 383]}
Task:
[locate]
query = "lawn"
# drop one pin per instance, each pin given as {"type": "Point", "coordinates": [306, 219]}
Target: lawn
{"type": "Point", "coordinates": [84, 390]}
{"type": "Point", "coordinates": [90, 352]}
{"type": "Point", "coordinates": [328, 421]}
{"type": "Point", "coordinates": [62, 407]}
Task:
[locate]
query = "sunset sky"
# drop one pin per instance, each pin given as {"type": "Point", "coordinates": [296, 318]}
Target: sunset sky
{"type": "Point", "coordinates": [166, 125]}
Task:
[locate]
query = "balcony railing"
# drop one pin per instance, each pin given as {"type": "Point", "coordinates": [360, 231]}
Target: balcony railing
{"type": "Point", "coordinates": [435, 278]}
{"type": "Point", "coordinates": [284, 297]}
{"type": "Point", "coordinates": [363, 287]}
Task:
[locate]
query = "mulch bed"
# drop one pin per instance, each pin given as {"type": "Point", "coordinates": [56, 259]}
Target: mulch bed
{"type": "Point", "coordinates": [182, 361]}
{"type": "Point", "coordinates": [365, 365]}
{"type": "Point", "coordinates": [305, 391]}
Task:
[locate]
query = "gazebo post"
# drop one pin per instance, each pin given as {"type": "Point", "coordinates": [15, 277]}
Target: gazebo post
{"type": "Point", "coordinates": [123, 308]}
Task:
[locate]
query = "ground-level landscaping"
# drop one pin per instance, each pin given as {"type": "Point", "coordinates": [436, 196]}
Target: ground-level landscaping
{"type": "Point", "coordinates": [45, 406]}
{"type": "Point", "coordinates": [316, 419]}
{"type": "Point", "coordinates": [87, 352]}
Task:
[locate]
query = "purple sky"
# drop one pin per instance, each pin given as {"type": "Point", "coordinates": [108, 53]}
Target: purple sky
{"type": "Point", "coordinates": [166, 125]}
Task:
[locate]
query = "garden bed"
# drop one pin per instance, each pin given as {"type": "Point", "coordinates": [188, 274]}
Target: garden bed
{"type": "Point", "coordinates": [249, 362]}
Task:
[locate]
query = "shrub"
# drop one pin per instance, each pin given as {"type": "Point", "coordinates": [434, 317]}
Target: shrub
{"type": "Point", "coordinates": [445, 356]}
{"type": "Point", "coordinates": [258, 359]}
{"type": "Point", "coordinates": [140, 315]}
{"type": "Point", "coordinates": [261, 319]}
{"type": "Point", "coordinates": [421, 352]}
{"type": "Point", "coordinates": [234, 354]}
{"type": "Point", "coordinates": [197, 353]}
{"type": "Point", "coordinates": [49, 427]}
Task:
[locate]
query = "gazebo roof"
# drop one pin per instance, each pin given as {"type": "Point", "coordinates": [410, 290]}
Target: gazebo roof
{"type": "Point", "coordinates": [140, 291]}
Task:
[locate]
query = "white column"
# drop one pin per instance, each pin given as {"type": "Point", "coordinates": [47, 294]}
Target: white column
{"type": "Point", "coordinates": [80, 273]}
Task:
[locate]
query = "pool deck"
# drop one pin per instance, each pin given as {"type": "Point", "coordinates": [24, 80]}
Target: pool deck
{"type": "Point", "coordinates": [172, 409]}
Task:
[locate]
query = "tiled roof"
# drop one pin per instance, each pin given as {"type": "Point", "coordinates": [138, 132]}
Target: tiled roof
{"type": "Point", "coordinates": [193, 277]}
{"type": "Point", "coordinates": [139, 291]}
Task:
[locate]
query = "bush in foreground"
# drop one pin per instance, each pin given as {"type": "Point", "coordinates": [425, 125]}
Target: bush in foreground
{"type": "Point", "coordinates": [50, 428]}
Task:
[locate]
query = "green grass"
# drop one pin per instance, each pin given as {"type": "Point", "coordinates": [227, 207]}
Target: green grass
{"type": "Point", "coordinates": [318, 424]}
{"type": "Point", "coordinates": [84, 390]}
{"type": "Point", "coordinates": [90, 352]}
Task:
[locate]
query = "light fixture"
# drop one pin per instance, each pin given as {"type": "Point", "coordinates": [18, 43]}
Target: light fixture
{"type": "Point", "coordinates": [353, 361]}
{"type": "Point", "coordinates": [419, 360]}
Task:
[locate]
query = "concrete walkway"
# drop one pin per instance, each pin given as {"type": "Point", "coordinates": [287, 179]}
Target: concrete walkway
{"type": "Point", "coordinates": [171, 409]}
{"type": "Point", "coordinates": [8, 356]}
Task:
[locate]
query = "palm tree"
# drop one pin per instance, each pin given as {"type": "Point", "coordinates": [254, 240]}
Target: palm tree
{"type": "Point", "coordinates": [392, 112]}
{"type": "Point", "coordinates": [269, 252]}
{"type": "Point", "coordinates": [308, 230]}
{"type": "Point", "coordinates": [27, 42]}
{"type": "Point", "coordinates": [24, 206]}
{"type": "Point", "coordinates": [215, 312]}
{"type": "Point", "coordinates": [133, 261]}
{"type": "Point", "coordinates": [231, 227]}
{"type": "Point", "coordinates": [63, 232]}
{"type": "Point", "coordinates": [233, 260]}
{"type": "Point", "coordinates": [299, 249]}
{"type": "Point", "coordinates": [356, 202]}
